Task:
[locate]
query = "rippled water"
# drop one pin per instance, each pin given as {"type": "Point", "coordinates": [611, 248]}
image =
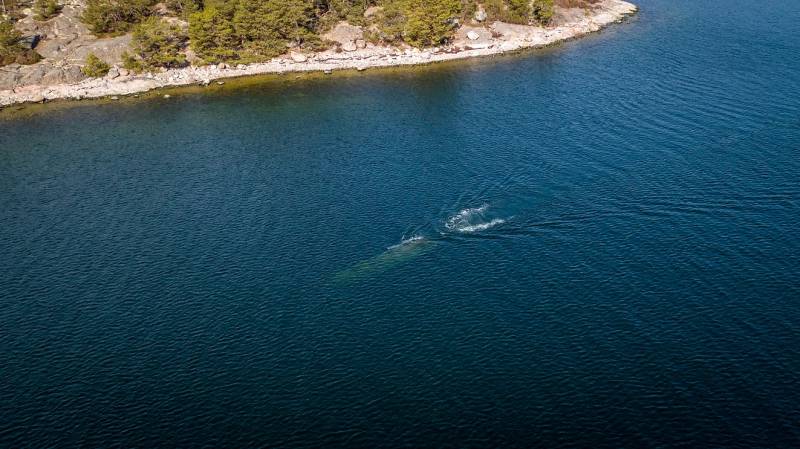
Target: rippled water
{"type": "Point", "coordinates": [594, 245]}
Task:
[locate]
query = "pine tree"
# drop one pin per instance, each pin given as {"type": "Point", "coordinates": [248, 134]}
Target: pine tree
{"type": "Point", "coordinates": [430, 22]}
{"type": "Point", "coordinates": [212, 35]}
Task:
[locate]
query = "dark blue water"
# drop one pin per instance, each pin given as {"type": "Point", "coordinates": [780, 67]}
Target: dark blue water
{"type": "Point", "coordinates": [590, 246]}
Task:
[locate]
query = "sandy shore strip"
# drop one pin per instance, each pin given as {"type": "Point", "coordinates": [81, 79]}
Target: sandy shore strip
{"type": "Point", "coordinates": [505, 38]}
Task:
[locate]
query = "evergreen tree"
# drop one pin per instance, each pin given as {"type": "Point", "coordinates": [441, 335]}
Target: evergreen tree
{"type": "Point", "coordinates": [266, 27]}
{"type": "Point", "coordinates": [95, 67]}
{"type": "Point", "coordinates": [159, 44]}
{"type": "Point", "coordinates": [45, 9]}
{"type": "Point", "coordinates": [430, 22]}
{"type": "Point", "coordinates": [543, 11]}
{"type": "Point", "coordinates": [212, 35]}
{"type": "Point", "coordinates": [115, 16]}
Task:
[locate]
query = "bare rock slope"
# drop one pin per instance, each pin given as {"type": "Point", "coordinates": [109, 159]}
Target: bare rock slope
{"type": "Point", "coordinates": [65, 43]}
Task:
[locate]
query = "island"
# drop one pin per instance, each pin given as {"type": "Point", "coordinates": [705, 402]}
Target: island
{"type": "Point", "coordinates": [109, 48]}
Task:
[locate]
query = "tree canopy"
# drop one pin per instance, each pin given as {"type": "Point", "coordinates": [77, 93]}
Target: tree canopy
{"type": "Point", "coordinates": [257, 30]}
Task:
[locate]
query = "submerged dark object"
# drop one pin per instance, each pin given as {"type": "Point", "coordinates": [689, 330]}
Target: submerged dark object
{"type": "Point", "coordinates": [30, 42]}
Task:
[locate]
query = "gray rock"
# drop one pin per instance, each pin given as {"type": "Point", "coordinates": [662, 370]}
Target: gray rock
{"type": "Point", "coordinates": [53, 76]}
{"type": "Point", "coordinates": [298, 57]}
{"type": "Point", "coordinates": [480, 16]}
{"type": "Point", "coordinates": [361, 43]}
{"type": "Point", "coordinates": [344, 33]}
{"type": "Point", "coordinates": [73, 74]}
{"type": "Point", "coordinates": [124, 72]}
{"type": "Point", "coordinates": [349, 46]}
{"type": "Point", "coordinates": [33, 75]}
{"type": "Point", "coordinates": [8, 79]}
{"type": "Point", "coordinates": [473, 36]}
{"type": "Point", "coordinates": [113, 73]}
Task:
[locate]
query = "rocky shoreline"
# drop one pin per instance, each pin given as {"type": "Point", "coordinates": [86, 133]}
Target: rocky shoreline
{"type": "Point", "coordinates": [470, 42]}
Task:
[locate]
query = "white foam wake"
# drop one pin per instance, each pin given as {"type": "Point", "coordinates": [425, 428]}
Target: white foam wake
{"type": "Point", "coordinates": [471, 220]}
{"type": "Point", "coordinates": [409, 241]}
{"type": "Point", "coordinates": [481, 226]}
{"type": "Point", "coordinates": [464, 218]}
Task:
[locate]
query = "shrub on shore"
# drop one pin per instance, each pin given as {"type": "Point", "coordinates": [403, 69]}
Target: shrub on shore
{"type": "Point", "coordinates": [212, 35]}
{"type": "Point", "coordinates": [543, 11]}
{"type": "Point", "coordinates": [251, 31]}
{"type": "Point", "coordinates": [430, 22]}
{"type": "Point", "coordinates": [45, 9]}
{"type": "Point", "coordinates": [267, 28]}
{"type": "Point", "coordinates": [129, 62]}
{"type": "Point", "coordinates": [115, 16]}
{"type": "Point", "coordinates": [520, 11]}
{"type": "Point", "coordinates": [95, 67]}
{"type": "Point", "coordinates": [183, 8]}
{"type": "Point", "coordinates": [157, 43]}
{"type": "Point", "coordinates": [10, 49]}
{"type": "Point", "coordinates": [11, 9]}
{"type": "Point", "coordinates": [9, 39]}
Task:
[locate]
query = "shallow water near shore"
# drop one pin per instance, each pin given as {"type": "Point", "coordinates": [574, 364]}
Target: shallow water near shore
{"type": "Point", "coordinates": [595, 245]}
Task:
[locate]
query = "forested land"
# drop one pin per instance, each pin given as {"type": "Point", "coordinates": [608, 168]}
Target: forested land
{"type": "Point", "coordinates": [246, 31]}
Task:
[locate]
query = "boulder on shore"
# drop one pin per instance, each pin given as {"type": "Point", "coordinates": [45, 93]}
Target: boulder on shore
{"type": "Point", "coordinates": [298, 57]}
{"type": "Point", "coordinates": [344, 34]}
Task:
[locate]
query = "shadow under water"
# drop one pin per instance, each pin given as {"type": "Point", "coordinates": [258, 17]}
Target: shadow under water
{"type": "Point", "coordinates": [467, 222]}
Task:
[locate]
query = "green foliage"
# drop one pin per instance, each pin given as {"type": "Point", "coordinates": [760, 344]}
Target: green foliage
{"type": "Point", "coordinates": [469, 9]}
{"type": "Point", "coordinates": [267, 27]}
{"type": "Point", "coordinates": [511, 11]}
{"type": "Point", "coordinates": [9, 37]}
{"type": "Point", "coordinates": [45, 9]}
{"type": "Point", "coordinates": [391, 21]}
{"type": "Point", "coordinates": [183, 8]}
{"type": "Point", "coordinates": [519, 11]}
{"type": "Point", "coordinates": [157, 43]}
{"type": "Point", "coordinates": [430, 22]}
{"type": "Point", "coordinates": [132, 64]}
{"type": "Point", "coordinates": [212, 35]}
{"type": "Point", "coordinates": [11, 8]}
{"type": "Point", "coordinates": [115, 16]}
{"type": "Point", "coordinates": [251, 31]}
{"type": "Point", "coordinates": [349, 10]}
{"type": "Point", "coordinates": [543, 11]}
{"type": "Point", "coordinates": [95, 67]}
{"type": "Point", "coordinates": [10, 50]}
{"type": "Point", "coordinates": [257, 30]}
